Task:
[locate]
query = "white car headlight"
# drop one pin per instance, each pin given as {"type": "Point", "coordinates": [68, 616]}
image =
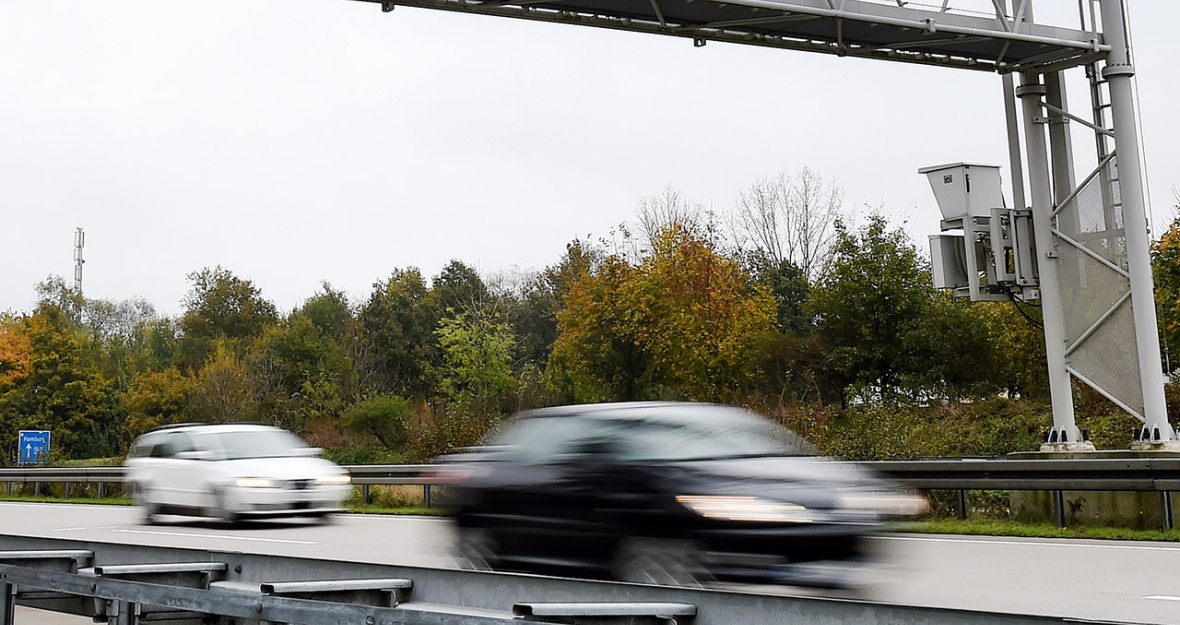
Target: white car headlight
{"type": "Point", "coordinates": [255, 482]}
{"type": "Point", "coordinates": [334, 479]}
{"type": "Point", "coordinates": [734, 508]}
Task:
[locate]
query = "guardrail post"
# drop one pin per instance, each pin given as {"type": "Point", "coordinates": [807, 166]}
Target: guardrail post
{"type": "Point", "coordinates": [1059, 507]}
{"type": "Point", "coordinates": [426, 495]}
{"type": "Point", "coordinates": [365, 494]}
{"type": "Point", "coordinates": [124, 613]}
{"type": "Point", "coordinates": [1166, 508]}
{"type": "Point", "coordinates": [961, 504]}
{"type": "Point", "coordinates": [100, 489]}
{"type": "Point", "coordinates": [67, 490]}
{"type": "Point", "coordinates": [36, 489]}
{"type": "Point", "coordinates": [7, 603]}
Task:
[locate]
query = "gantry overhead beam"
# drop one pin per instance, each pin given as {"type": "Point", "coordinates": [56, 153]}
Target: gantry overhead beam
{"type": "Point", "coordinates": [896, 31]}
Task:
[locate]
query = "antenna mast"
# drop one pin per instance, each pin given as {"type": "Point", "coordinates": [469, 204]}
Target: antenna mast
{"type": "Point", "coordinates": [79, 241]}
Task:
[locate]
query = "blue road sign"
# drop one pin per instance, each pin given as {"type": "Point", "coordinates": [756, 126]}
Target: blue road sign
{"type": "Point", "coordinates": [32, 445]}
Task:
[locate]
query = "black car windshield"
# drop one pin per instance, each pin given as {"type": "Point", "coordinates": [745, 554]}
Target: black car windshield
{"type": "Point", "coordinates": [701, 433]}
{"type": "Point", "coordinates": [259, 444]}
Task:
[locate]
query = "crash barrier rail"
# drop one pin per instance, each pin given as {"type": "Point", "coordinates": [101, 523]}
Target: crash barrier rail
{"type": "Point", "coordinates": [961, 475]}
{"type": "Point", "coordinates": [133, 584]}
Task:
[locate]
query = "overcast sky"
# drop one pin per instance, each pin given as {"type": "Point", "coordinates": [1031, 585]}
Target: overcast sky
{"type": "Point", "coordinates": [295, 141]}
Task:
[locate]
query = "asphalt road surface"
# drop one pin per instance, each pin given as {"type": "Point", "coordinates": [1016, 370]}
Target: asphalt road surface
{"type": "Point", "coordinates": [1087, 579]}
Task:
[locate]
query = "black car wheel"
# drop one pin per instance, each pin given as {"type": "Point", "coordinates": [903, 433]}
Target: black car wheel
{"type": "Point", "coordinates": [220, 511]}
{"type": "Point", "coordinates": [151, 509]}
{"type": "Point", "coordinates": [661, 562]}
{"type": "Point", "coordinates": [474, 549]}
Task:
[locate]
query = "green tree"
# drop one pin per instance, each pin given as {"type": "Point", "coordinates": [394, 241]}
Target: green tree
{"type": "Point", "coordinates": [157, 398]}
{"type": "Point", "coordinates": [386, 417]}
{"type": "Point", "coordinates": [477, 355]}
{"type": "Point", "coordinates": [458, 288]}
{"type": "Point", "coordinates": [221, 305]}
{"type": "Point", "coordinates": [869, 304]}
{"type": "Point", "coordinates": [399, 353]}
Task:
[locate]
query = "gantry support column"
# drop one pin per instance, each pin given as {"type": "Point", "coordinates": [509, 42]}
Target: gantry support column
{"type": "Point", "coordinates": [1119, 73]}
{"type": "Point", "coordinates": [1031, 93]}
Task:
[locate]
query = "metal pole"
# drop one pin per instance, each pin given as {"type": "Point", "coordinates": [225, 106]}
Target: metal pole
{"type": "Point", "coordinates": [1119, 72]}
{"type": "Point", "coordinates": [961, 504]}
{"type": "Point", "coordinates": [7, 603]}
{"type": "Point", "coordinates": [1059, 507]}
{"type": "Point", "coordinates": [1015, 162]}
{"type": "Point", "coordinates": [1030, 93]}
{"type": "Point", "coordinates": [1060, 142]}
{"type": "Point", "coordinates": [1169, 515]}
{"type": "Point", "coordinates": [426, 495]}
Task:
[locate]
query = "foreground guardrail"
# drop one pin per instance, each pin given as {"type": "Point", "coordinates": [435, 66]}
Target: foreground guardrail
{"type": "Point", "coordinates": [129, 584]}
{"type": "Point", "coordinates": [1161, 475]}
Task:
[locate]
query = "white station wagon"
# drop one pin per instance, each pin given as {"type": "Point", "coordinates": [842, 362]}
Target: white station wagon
{"type": "Point", "coordinates": [232, 472]}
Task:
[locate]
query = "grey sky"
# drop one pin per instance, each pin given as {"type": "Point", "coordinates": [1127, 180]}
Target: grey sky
{"type": "Point", "coordinates": [294, 141]}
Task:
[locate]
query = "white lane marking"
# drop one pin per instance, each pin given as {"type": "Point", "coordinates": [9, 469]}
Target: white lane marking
{"type": "Point", "coordinates": [1162, 597]}
{"type": "Point", "coordinates": [69, 529]}
{"type": "Point", "coordinates": [189, 535]}
{"type": "Point", "coordinates": [1022, 543]}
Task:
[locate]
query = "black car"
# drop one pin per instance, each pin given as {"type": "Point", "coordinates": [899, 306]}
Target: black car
{"type": "Point", "coordinates": [672, 493]}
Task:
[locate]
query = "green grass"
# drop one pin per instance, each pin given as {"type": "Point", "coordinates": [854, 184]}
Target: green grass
{"type": "Point", "coordinates": [415, 510]}
{"type": "Point", "coordinates": [1004, 527]}
{"type": "Point", "coordinates": [108, 501]}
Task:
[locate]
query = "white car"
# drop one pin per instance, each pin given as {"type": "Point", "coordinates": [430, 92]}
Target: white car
{"type": "Point", "coordinates": [232, 472]}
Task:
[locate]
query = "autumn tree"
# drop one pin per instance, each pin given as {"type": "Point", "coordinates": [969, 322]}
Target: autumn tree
{"type": "Point", "coordinates": [685, 321]}
{"type": "Point", "coordinates": [1165, 264]}
{"type": "Point", "coordinates": [62, 389]}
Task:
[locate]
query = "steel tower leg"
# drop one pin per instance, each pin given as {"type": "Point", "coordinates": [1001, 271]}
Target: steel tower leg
{"type": "Point", "coordinates": [1031, 92]}
{"type": "Point", "coordinates": [1119, 73]}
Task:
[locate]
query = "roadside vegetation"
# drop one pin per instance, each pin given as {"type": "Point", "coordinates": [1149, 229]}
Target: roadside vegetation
{"type": "Point", "coordinates": [785, 303]}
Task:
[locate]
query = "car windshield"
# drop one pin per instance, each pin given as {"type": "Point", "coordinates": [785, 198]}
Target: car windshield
{"type": "Point", "coordinates": [259, 444]}
{"type": "Point", "coordinates": [704, 432]}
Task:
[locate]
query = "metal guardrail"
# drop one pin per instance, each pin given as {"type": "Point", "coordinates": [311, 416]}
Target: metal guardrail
{"type": "Point", "coordinates": [134, 584]}
{"type": "Point", "coordinates": [1161, 475]}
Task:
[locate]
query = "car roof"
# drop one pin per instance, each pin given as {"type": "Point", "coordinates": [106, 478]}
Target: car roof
{"type": "Point", "coordinates": [214, 428]}
{"type": "Point", "coordinates": [660, 411]}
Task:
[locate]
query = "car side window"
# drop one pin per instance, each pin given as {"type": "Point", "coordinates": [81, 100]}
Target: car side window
{"type": "Point", "coordinates": [172, 444]}
{"type": "Point", "coordinates": [543, 440]}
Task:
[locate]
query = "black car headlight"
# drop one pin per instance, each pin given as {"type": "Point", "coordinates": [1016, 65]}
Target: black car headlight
{"type": "Point", "coordinates": [737, 508]}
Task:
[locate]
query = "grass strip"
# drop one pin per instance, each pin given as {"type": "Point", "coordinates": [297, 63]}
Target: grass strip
{"type": "Point", "coordinates": [1006, 527]}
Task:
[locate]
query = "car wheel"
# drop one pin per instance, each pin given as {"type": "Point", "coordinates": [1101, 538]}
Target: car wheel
{"type": "Point", "coordinates": [151, 509]}
{"type": "Point", "coordinates": [474, 549]}
{"type": "Point", "coordinates": [660, 562]}
{"type": "Point", "coordinates": [220, 511]}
